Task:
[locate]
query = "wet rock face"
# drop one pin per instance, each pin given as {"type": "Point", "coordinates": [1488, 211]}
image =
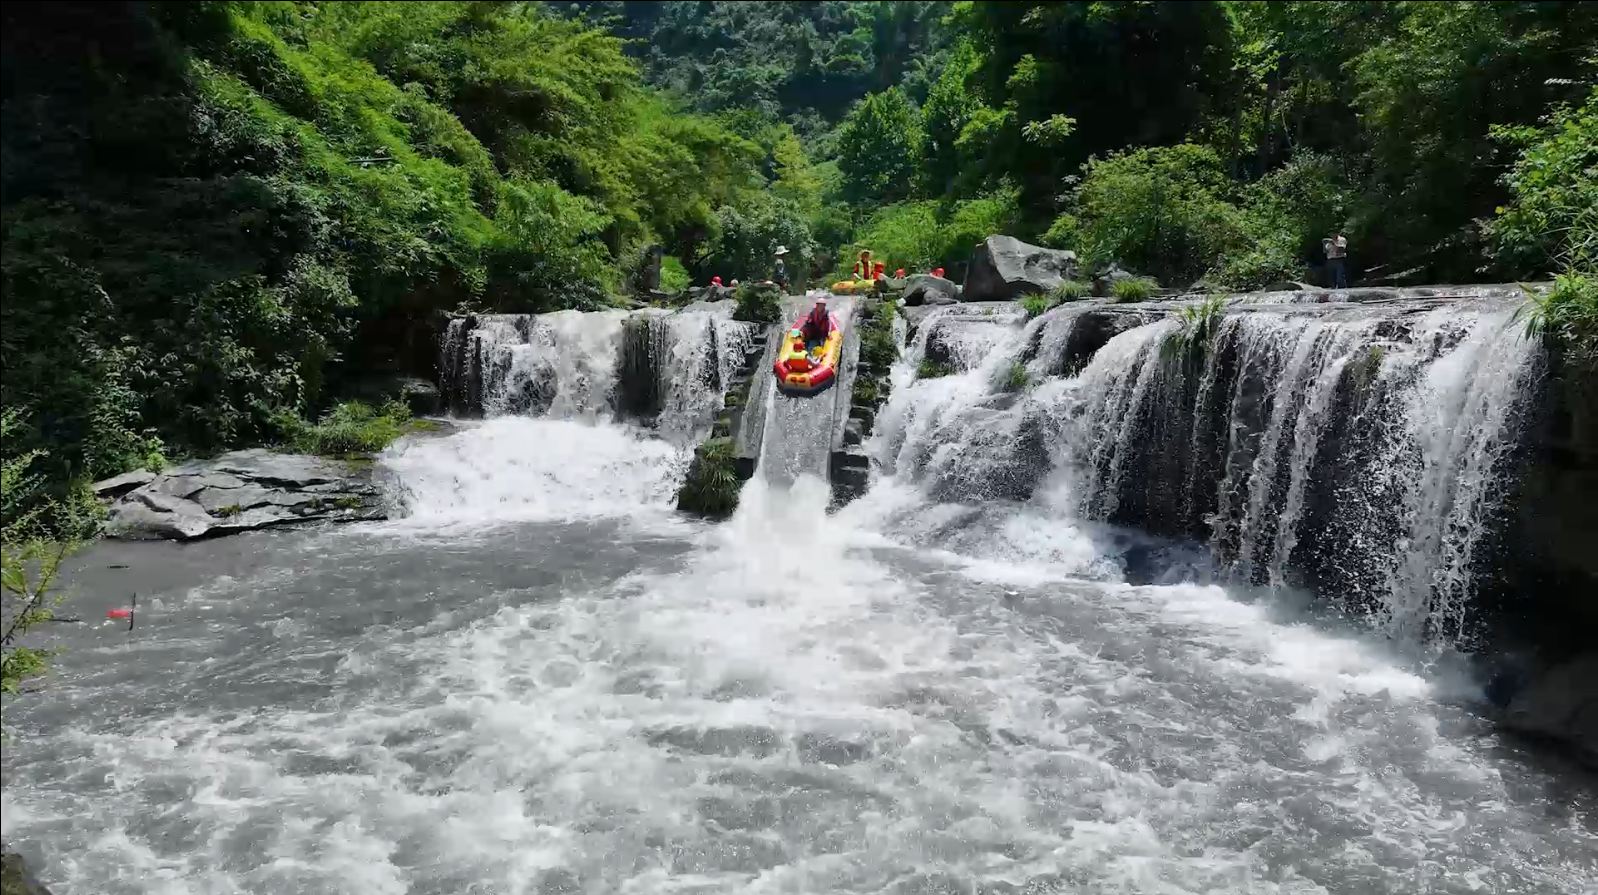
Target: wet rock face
{"type": "Point", "coordinates": [1004, 268]}
{"type": "Point", "coordinates": [16, 877]}
{"type": "Point", "coordinates": [1562, 703]}
{"type": "Point", "coordinates": [242, 491]}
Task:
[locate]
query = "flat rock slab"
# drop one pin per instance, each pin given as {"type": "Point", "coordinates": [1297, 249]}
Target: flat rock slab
{"type": "Point", "coordinates": [243, 491]}
{"type": "Point", "coordinates": [118, 485]}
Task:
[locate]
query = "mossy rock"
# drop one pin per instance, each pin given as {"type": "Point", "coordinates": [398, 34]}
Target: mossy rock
{"type": "Point", "coordinates": [711, 488]}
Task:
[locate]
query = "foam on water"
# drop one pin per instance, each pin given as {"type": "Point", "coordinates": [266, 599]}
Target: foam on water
{"type": "Point", "coordinates": [522, 468]}
{"type": "Point", "coordinates": [784, 703]}
{"type": "Point", "coordinates": [917, 694]}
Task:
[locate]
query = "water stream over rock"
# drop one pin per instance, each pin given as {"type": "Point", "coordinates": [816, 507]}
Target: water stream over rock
{"type": "Point", "coordinates": [1055, 648]}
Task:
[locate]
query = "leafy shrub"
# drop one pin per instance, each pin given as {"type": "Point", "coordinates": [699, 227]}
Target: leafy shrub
{"type": "Point", "coordinates": [711, 488]}
{"type": "Point", "coordinates": [1568, 313]}
{"type": "Point", "coordinates": [878, 348]}
{"type": "Point", "coordinates": [352, 427]}
{"type": "Point", "coordinates": [757, 303]}
{"type": "Point", "coordinates": [931, 369]}
{"type": "Point", "coordinates": [37, 533]}
{"type": "Point", "coordinates": [1132, 289]}
{"type": "Point", "coordinates": [922, 235]}
{"type": "Point", "coordinates": [1284, 216]}
{"type": "Point", "coordinates": [745, 236]}
{"type": "Point", "coordinates": [867, 391]}
{"type": "Point", "coordinates": [1016, 378]}
{"type": "Point", "coordinates": [1166, 210]}
{"type": "Point", "coordinates": [1553, 218]}
{"type": "Point", "coordinates": [1036, 303]}
{"type": "Point", "coordinates": [1199, 322]}
{"type": "Point", "coordinates": [1071, 290]}
{"type": "Point", "coordinates": [673, 276]}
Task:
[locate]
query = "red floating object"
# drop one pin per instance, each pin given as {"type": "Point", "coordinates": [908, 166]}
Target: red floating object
{"type": "Point", "coordinates": [119, 613]}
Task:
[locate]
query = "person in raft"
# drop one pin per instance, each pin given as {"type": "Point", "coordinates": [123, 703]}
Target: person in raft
{"type": "Point", "coordinates": [817, 325]}
{"type": "Point", "coordinates": [779, 272]}
{"type": "Point", "coordinates": [862, 268]}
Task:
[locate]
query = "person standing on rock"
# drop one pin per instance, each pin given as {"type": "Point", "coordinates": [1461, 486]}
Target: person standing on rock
{"type": "Point", "coordinates": [1336, 248]}
{"type": "Point", "coordinates": [779, 272]}
{"type": "Point", "coordinates": [862, 268]}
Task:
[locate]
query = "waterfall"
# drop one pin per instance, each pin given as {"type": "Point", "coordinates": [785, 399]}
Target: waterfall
{"type": "Point", "coordinates": [663, 369]}
{"type": "Point", "coordinates": [1363, 452]}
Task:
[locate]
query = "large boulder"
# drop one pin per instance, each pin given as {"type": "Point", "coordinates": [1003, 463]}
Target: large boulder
{"type": "Point", "coordinates": [1561, 703]}
{"type": "Point", "coordinates": [924, 288]}
{"type": "Point", "coordinates": [242, 491]}
{"type": "Point", "coordinates": [1004, 268]}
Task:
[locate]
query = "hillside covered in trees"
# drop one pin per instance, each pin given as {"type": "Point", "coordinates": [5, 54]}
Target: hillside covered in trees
{"type": "Point", "coordinates": [216, 214]}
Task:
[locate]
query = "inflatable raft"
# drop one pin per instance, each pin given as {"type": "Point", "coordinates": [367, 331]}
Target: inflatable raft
{"type": "Point", "coordinates": [853, 287]}
{"type": "Point", "coordinates": [804, 370]}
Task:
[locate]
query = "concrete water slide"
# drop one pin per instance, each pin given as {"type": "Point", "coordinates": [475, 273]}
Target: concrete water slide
{"type": "Point", "coordinates": [782, 437]}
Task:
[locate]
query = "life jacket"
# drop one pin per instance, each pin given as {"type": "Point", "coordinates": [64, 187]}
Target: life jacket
{"type": "Point", "coordinates": [818, 324]}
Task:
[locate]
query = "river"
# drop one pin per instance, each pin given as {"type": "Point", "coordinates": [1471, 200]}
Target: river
{"type": "Point", "coordinates": [543, 680]}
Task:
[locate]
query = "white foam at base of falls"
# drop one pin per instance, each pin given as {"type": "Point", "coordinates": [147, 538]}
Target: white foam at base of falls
{"type": "Point", "coordinates": [1443, 393]}
{"type": "Point", "coordinates": [520, 468]}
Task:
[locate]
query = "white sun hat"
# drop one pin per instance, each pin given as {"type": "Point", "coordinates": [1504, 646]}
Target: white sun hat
{"type": "Point", "coordinates": [781, 250]}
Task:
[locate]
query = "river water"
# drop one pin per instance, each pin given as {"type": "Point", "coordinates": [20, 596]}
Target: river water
{"type": "Point", "coordinates": [544, 681]}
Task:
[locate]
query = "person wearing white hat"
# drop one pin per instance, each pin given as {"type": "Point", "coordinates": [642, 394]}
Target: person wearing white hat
{"type": "Point", "coordinates": [779, 273]}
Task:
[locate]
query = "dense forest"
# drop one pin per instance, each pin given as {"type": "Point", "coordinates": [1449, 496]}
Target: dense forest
{"type": "Point", "coordinates": [217, 214]}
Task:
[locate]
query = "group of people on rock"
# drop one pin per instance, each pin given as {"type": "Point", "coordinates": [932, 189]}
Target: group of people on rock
{"type": "Point", "coordinates": [864, 269]}
{"type": "Point", "coordinates": [1335, 247]}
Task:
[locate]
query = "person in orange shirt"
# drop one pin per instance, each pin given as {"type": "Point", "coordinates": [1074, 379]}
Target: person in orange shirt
{"type": "Point", "coordinates": [862, 268]}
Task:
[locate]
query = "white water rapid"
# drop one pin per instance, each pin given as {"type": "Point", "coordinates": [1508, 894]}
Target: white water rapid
{"type": "Point", "coordinates": [542, 681]}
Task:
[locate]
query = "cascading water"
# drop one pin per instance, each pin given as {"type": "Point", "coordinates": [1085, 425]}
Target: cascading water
{"type": "Point", "coordinates": [947, 686]}
{"type": "Point", "coordinates": [1360, 451]}
{"type": "Point", "coordinates": [664, 369]}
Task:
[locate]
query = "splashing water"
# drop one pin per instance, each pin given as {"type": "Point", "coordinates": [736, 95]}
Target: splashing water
{"type": "Point", "coordinates": [521, 468]}
{"type": "Point", "coordinates": [540, 682]}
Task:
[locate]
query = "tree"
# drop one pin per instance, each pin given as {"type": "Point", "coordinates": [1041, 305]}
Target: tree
{"type": "Point", "coordinates": [879, 149]}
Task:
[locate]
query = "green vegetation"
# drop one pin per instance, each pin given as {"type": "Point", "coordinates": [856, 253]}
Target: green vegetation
{"type": "Point", "coordinates": [1016, 378]}
{"type": "Point", "coordinates": [878, 352]}
{"type": "Point", "coordinates": [932, 369]}
{"type": "Point", "coordinates": [1132, 289]}
{"type": "Point", "coordinates": [351, 427]}
{"type": "Point", "coordinates": [1553, 219]}
{"type": "Point", "coordinates": [1569, 314]}
{"type": "Point", "coordinates": [1037, 304]}
{"type": "Point", "coordinates": [673, 276]}
{"type": "Point", "coordinates": [1199, 323]}
{"type": "Point", "coordinates": [1070, 290]}
{"type": "Point", "coordinates": [37, 534]}
{"type": "Point", "coordinates": [922, 235]}
{"type": "Point", "coordinates": [711, 488]}
{"type": "Point", "coordinates": [757, 302]}
{"type": "Point", "coordinates": [239, 206]}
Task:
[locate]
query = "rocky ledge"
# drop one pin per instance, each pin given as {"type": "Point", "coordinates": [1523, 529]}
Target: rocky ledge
{"type": "Point", "coordinates": [239, 491]}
